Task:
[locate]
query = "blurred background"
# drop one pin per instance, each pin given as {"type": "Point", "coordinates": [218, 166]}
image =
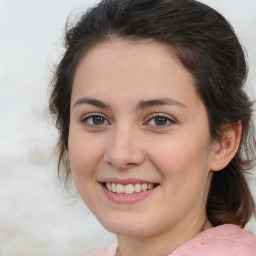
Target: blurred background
{"type": "Point", "coordinates": [38, 216]}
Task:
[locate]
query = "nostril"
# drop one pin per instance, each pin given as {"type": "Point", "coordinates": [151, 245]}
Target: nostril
{"type": "Point", "coordinates": [123, 157]}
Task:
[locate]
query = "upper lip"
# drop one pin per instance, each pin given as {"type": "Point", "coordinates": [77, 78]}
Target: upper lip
{"type": "Point", "coordinates": [126, 181]}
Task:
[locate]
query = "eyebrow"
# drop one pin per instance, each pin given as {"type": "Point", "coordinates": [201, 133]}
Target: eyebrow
{"type": "Point", "coordinates": [93, 102]}
{"type": "Point", "coordinates": [140, 106]}
{"type": "Point", "coordinates": [156, 102]}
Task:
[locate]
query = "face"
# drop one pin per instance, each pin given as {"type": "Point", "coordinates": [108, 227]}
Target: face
{"type": "Point", "coordinates": [139, 142]}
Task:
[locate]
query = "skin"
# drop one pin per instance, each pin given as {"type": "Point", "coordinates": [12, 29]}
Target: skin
{"type": "Point", "coordinates": [128, 142]}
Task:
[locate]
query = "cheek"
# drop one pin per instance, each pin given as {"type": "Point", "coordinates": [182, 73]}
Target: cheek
{"type": "Point", "coordinates": [183, 164]}
{"type": "Point", "coordinates": [84, 155]}
{"type": "Point", "coordinates": [84, 159]}
{"type": "Point", "coordinates": [182, 157]}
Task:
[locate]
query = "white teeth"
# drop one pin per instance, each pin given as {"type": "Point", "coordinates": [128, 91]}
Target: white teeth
{"type": "Point", "coordinates": [137, 188]}
{"type": "Point", "coordinates": [150, 186]}
{"type": "Point", "coordinates": [144, 187]}
{"type": "Point", "coordinates": [128, 189]}
{"type": "Point", "coordinates": [113, 189]}
{"type": "Point", "coordinates": [119, 188]}
{"type": "Point", "coordinates": [109, 186]}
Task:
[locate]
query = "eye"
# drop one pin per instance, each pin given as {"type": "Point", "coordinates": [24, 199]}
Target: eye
{"type": "Point", "coordinates": [160, 120]}
{"type": "Point", "coordinates": [94, 120]}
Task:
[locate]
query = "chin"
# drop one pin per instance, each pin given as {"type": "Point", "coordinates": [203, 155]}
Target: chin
{"type": "Point", "coordinates": [125, 226]}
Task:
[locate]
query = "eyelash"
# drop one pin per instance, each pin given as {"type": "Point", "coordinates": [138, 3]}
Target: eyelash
{"type": "Point", "coordinates": [85, 120]}
{"type": "Point", "coordinates": [167, 119]}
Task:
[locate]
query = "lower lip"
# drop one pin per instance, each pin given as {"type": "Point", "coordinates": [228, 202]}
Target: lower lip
{"type": "Point", "coordinates": [127, 198]}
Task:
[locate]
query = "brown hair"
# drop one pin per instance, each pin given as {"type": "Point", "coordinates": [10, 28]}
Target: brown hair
{"type": "Point", "coordinates": [207, 46]}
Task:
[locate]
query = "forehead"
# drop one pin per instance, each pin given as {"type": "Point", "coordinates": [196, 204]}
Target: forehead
{"type": "Point", "coordinates": [146, 68]}
{"type": "Point", "coordinates": [139, 53]}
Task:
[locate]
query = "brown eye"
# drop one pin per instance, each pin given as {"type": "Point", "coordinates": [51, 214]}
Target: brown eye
{"type": "Point", "coordinates": [160, 121]}
{"type": "Point", "coordinates": [98, 120]}
{"type": "Point", "coordinates": [95, 120]}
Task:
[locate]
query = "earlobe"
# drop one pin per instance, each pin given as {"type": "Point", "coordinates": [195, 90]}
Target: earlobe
{"type": "Point", "coordinates": [225, 149]}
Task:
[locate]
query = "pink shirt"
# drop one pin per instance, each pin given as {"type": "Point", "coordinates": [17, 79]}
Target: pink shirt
{"type": "Point", "coordinates": [225, 240]}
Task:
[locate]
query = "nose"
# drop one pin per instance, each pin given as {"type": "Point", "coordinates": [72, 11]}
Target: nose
{"type": "Point", "coordinates": [124, 149]}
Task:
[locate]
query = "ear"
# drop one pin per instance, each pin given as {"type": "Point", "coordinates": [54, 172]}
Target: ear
{"type": "Point", "coordinates": [225, 149]}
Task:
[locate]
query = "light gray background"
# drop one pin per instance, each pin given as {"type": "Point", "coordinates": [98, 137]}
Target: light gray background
{"type": "Point", "coordinates": [37, 216]}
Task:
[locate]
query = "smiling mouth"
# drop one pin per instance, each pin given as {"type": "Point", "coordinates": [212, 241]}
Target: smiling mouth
{"type": "Point", "coordinates": [129, 188]}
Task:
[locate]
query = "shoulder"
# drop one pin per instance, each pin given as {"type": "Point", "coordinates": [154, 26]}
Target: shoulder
{"type": "Point", "coordinates": [235, 240]}
{"type": "Point", "coordinates": [226, 240]}
{"type": "Point", "coordinates": [107, 251]}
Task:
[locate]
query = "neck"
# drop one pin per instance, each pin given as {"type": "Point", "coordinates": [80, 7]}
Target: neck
{"type": "Point", "coordinates": [161, 244]}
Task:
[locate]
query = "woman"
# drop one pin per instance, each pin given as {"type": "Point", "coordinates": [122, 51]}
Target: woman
{"type": "Point", "coordinates": [156, 128]}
